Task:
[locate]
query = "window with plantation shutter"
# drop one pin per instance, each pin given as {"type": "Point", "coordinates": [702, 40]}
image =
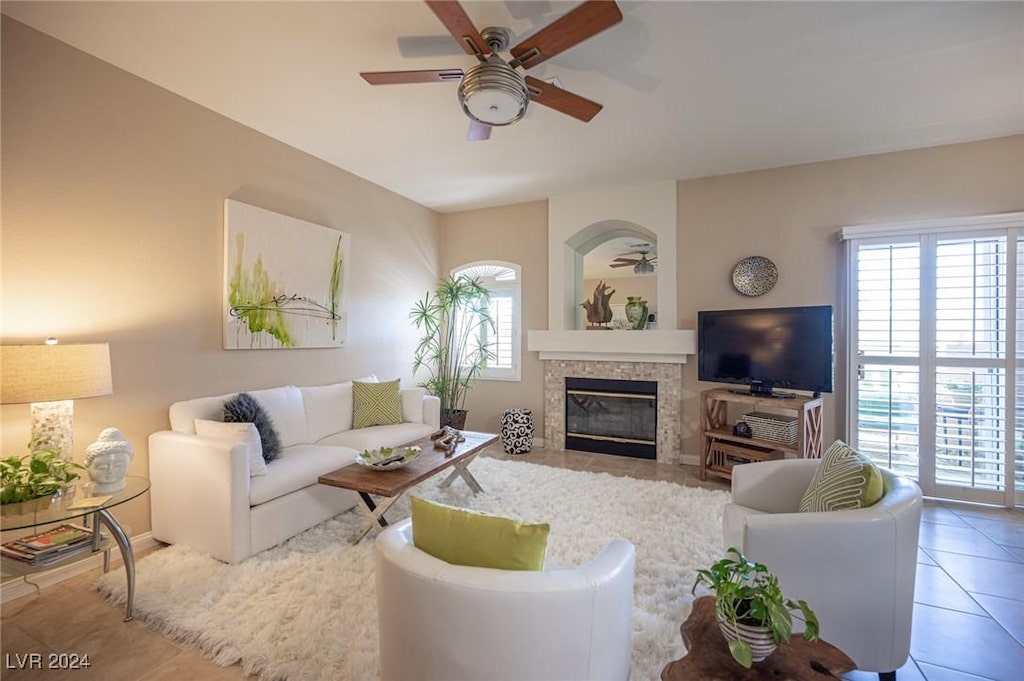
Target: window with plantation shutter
{"type": "Point", "coordinates": [936, 319]}
{"type": "Point", "coordinates": [502, 280]}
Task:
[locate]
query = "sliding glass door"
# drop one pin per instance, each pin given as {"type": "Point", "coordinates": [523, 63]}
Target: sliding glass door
{"type": "Point", "coordinates": [936, 321]}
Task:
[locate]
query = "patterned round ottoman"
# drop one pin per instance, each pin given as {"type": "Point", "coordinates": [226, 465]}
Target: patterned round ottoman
{"type": "Point", "coordinates": [517, 431]}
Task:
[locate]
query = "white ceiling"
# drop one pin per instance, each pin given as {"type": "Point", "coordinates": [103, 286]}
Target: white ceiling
{"type": "Point", "coordinates": [690, 89]}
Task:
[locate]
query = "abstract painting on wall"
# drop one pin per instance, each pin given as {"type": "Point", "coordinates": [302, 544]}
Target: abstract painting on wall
{"type": "Point", "coordinates": [284, 281]}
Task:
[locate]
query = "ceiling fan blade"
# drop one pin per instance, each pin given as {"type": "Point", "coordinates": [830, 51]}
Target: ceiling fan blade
{"type": "Point", "coordinates": [561, 100]}
{"type": "Point", "coordinates": [622, 264]}
{"type": "Point", "coordinates": [586, 20]}
{"type": "Point", "coordinates": [458, 24]}
{"type": "Point", "coordinates": [626, 260]}
{"type": "Point", "coordinates": [403, 77]}
{"type": "Point", "coordinates": [478, 132]}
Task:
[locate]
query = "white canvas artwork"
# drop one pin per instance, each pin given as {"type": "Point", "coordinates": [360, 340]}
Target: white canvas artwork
{"type": "Point", "coordinates": [284, 281]}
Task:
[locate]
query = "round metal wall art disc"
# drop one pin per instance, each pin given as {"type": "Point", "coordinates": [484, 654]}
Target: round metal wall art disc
{"type": "Point", "coordinates": [755, 276]}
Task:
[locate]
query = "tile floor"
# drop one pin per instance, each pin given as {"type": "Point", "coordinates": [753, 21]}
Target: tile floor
{"type": "Point", "coordinates": [968, 617]}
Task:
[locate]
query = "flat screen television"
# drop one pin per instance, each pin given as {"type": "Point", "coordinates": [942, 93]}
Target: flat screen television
{"type": "Point", "coordinates": [768, 348]}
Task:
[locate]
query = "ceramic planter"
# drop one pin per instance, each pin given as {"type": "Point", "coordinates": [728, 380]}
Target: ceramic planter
{"type": "Point", "coordinates": [759, 638]}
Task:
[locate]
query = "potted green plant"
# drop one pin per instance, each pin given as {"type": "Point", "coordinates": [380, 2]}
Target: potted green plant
{"type": "Point", "coordinates": [454, 347]}
{"type": "Point", "coordinates": [42, 473]}
{"type": "Point", "coordinates": [752, 613]}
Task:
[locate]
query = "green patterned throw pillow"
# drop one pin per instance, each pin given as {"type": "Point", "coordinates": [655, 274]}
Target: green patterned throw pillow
{"type": "Point", "coordinates": [376, 404]}
{"type": "Point", "coordinates": [845, 479]}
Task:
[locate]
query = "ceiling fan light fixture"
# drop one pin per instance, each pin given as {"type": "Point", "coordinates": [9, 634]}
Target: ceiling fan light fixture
{"type": "Point", "coordinates": [644, 266]}
{"type": "Point", "coordinates": [494, 93]}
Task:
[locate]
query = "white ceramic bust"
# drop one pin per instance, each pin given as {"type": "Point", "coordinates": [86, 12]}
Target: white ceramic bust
{"type": "Point", "coordinates": [107, 461]}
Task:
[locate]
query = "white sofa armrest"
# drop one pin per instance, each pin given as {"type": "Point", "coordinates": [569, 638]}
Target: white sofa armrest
{"type": "Point", "coordinates": [200, 494]}
{"type": "Point", "coordinates": [432, 411]}
{"type": "Point", "coordinates": [772, 486]}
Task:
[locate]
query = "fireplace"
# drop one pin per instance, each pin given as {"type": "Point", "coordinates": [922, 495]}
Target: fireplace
{"type": "Point", "coordinates": [612, 416]}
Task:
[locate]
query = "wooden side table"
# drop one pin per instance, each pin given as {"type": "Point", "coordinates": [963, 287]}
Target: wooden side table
{"type": "Point", "coordinates": [708, 657]}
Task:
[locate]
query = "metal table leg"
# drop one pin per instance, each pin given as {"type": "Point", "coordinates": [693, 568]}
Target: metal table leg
{"type": "Point", "coordinates": [461, 470]}
{"type": "Point", "coordinates": [126, 555]}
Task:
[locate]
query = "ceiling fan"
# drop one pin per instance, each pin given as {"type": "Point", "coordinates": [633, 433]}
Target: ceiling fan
{"type": "Point", "coordinates": [494, 92]}
{"type": "Point", "coordinates": [641, 265]}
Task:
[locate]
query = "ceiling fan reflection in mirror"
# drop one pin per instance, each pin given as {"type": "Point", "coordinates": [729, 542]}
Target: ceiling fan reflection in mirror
{"type": "Point", "coordinates": [495, 92]}
{"type": "Point", "coordinates": [641, 265]}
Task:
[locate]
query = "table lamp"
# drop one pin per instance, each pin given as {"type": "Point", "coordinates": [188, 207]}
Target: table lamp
{"type": "Point", "coordinates": [49, 377]}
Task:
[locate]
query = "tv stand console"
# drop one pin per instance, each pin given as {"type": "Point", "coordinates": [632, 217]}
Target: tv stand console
{"type": "Point", "coordinates": [722, 450]}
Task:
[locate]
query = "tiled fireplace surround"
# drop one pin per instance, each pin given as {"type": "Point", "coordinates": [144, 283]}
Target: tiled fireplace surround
{"type": "Point", "coordinates": [576, 225]}
{"type": "Point", "coordinates": [670, 382]}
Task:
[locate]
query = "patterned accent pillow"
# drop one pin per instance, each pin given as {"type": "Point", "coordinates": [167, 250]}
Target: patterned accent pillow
{"type": "Point", "coordinates": [845, 479]}
{"type": "Point", "coordinates": [243, 408]}
{"type": "Point", "coordinates": [376, 404]}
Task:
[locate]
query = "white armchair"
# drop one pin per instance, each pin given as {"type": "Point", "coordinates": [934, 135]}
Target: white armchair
{"type": "Point", "coordinates": [443, 622]}
{"type": "Point", "coordinates": [855, 568]}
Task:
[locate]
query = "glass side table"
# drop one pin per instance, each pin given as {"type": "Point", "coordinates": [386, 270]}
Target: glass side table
{"type": "Point", "coordinates": [30, 514]}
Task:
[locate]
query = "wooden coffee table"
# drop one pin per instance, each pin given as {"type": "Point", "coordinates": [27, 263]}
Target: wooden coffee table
{"type": "Point", "coordinates": [392, 484]}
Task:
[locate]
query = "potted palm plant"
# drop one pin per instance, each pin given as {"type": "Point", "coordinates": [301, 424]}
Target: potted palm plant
{"type": "Point", "coordinates": [455, 345]}
{"type": "Point", "coordinates": [752, 613]}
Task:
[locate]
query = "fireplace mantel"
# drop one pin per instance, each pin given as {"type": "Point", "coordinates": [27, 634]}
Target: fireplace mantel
{"type": "Point", "coordinates": [660, 347]}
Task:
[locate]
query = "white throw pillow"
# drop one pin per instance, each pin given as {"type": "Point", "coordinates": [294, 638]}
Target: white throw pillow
{"type": "Point", "coordinates": [328, 409]}
{"type": "Point", "coordinates": [285, 408]}
{"type": "Point", "coordinates": [236, 433]}
{"type": "Point", "coordinates": [412, 404]}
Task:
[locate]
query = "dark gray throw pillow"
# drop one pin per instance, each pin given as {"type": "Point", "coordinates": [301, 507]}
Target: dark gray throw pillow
{"type": "Point", "coordinates": [243, 408]}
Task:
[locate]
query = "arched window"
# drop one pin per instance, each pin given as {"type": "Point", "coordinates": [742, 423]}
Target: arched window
{"type": "Point", "coordinates": [502, 279]}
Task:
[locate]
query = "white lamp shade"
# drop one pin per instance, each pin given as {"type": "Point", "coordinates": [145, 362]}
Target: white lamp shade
{"type": "Point", "coordinates": [46, 373]}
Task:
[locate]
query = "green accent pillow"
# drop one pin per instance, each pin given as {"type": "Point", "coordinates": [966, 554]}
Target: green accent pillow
{"type": "Point", "coordinates": [845, 479]}
{"type": "Point", "coordinates": [462, 537]}
{"type": "Point", "coordinates": [376, 404]}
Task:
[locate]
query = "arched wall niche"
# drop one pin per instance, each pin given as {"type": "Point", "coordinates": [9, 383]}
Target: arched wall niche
{"type": "Point", "coordinates": [585, 241]}
{"type": "Point", "coordinates": [578, 223]}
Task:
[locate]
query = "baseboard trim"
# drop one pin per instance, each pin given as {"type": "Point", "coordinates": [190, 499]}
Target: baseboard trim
{"type": "Point", "coordinates": [689, 459]}
{"type": "Point", "coordinates": [18, 587]}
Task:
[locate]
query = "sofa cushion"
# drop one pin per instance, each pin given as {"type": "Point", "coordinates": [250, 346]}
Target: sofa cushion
{"type": "Point", "coordinates": [412, 404]}
{"type": "Point", "coordinates": [379, 436]}
{"type": "Point", "coordinates": [184, 414]}
{"type": "Point", "coordinates": [296, 468]}
{"type": "Point", "coordinates": [329, 408]}
{"type": "Point", "coordinates": [462, 537]}
{"type": "Point", "coordinates": [376, 404]}
{"type": "Point", "coordinates": [845, 479]}
{"type": "Point", "coordinates": [244, 408]}
{"type": "Point", "coordinates": [285, 408]}
{"type": "Point", "coordinates": [236, 433]}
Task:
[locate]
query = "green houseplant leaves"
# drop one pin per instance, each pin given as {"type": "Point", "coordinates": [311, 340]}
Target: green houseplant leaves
{"type": "Point", "coordinates": [747, 593]}
{"type": "Point", "coordinates": [455, 346]}
{"type": "Point", "coordinates": [39, 474]}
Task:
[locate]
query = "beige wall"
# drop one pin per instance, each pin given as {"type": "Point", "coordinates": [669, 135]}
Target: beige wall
{"type": "Point", "coordinates": [516, 234]}
{"type": "Point", "coordinates": [113, 193]}
{"type": "Point", "coordinates": [792, 215]}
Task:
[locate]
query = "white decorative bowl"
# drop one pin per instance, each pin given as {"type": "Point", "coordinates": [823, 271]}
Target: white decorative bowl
{"type": "Point", "coordinates": [384, 458]}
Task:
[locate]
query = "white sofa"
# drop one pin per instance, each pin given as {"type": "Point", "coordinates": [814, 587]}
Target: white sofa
{"type": "Point", "coordinates": [202, 494]}
{"type": "Point", "coordinates": [443, 622]}
{"type": "Point", "coordinates": [855, 568]}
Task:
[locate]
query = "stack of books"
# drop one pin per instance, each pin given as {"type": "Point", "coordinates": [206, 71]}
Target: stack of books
{"type": "Point", "coordinates": [50, 546]}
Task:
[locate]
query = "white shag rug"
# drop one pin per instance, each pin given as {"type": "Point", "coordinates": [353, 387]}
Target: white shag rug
{"type": "Point", "coordinates": [306, 610]}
